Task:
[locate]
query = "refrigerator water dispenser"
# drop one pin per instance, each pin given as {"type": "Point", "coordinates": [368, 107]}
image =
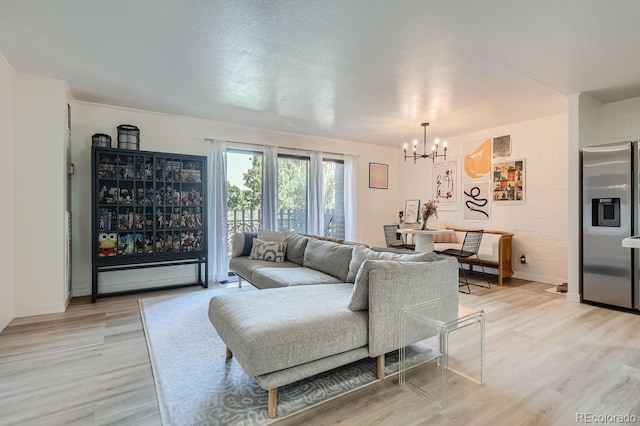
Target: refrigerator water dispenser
{"type": "Point", "coordinates": [606, 212]}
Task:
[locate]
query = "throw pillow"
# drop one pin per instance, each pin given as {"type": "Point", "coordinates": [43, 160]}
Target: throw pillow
{"type": "Point", "coordinates": [296, 245]}
{"type": "Point", "coordinates": [241, 245]}
{"type": "Point", "coordinates": [272, 251]}
{"type": "Point", "coordinates": [359, 300]}
{"type": "Point", "coordinates": [278, 236]}
{"type": "Point", "coordinates": [331, 258]}
{"type": "Point", "coordinates": [360, 254]}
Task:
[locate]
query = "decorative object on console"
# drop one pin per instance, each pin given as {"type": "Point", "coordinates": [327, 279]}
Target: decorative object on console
{"type": "Point", "coordinates": [428, 210]}
{"type": "Point", "coordinates": [434, 148]}
{"type": "Point", "coordinates": [378, 176]}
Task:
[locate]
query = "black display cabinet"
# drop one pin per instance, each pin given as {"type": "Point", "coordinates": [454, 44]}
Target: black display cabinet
{"type": "Point", "coordinates": [149, 209]}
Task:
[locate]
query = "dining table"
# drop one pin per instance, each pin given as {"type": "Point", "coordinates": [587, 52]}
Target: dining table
{"type": "Point", "coordinates": [424, 237]}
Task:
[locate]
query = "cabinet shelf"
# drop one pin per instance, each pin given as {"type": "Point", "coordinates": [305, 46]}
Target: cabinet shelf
{"type": "Point", "coordinates": [136, 208]}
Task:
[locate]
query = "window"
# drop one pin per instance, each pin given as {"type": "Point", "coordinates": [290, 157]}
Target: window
{"type": "Point", "coordinates": [293, 190]}
{"type": "Point", "coordinates": [333, 182]}
{"type": "Point", "coordinates": [244, 191]}
{"type": "Point", "coordinates": [245, 188]}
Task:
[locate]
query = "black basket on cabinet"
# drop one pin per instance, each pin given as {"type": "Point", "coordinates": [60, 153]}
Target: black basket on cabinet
{"type": "Point", "coordinates": [101, 140]}
{"type": "Point", "coordinates": [128, 137]}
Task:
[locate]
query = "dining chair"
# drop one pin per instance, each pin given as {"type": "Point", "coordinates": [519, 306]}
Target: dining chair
{"type": "Point", "coordinates": [469, 249]}
{"type": "Point", "coordinates": [393, 238]}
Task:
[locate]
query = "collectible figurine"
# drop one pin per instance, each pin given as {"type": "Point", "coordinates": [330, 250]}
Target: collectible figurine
{"type": "Point", "coordinates": [107, 244]}
{"type": "Point", "coordinates": [127, 241]}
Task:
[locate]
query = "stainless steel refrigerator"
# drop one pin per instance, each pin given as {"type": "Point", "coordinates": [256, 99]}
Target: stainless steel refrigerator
{"type": "Point", "coordinates": [610, 207]}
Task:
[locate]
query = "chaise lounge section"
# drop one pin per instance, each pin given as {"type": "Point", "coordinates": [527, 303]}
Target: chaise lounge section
{"type": "Point", "coordinates": [285, 334]}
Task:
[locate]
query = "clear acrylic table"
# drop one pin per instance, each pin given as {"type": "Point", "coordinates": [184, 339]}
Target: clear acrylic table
{"type": "Point", "coordinates": [434, 320]}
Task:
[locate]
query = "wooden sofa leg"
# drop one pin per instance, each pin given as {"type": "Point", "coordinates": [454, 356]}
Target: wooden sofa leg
{"type": "Point", "coordinates": [272, 408]}
{"type": "Point", "coordinates": [229, 354]}
{"type": "Point", "coordinates": [380, 365]}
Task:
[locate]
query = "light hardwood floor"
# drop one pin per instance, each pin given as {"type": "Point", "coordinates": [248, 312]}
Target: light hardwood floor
{"type": "Point", "coordinates": [547, 360]}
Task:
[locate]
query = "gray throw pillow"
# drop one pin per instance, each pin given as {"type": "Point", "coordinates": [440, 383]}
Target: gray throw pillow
{"type": "Point", "coordinates": [272, 251]}
{"type": "Point", "coordinates": [360, 295]}
{"type": "Point", "coordinates": [360, 254]}
{"type": "Point", "coordinates": [278, 236]}
{"type": "Point", "coordinates": [296, 245]}
{"type": "Point", "coordinates": [328, 257]}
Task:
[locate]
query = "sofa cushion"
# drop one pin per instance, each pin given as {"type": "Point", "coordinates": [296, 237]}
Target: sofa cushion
{"type": "Point", "coordinates": [285, 277]}
{"type": "Point", "coordinates": [241, 243]}
{"type": "Point", "coordinates": [278, 236]}
{"type": "Point", "coordinates": [328, 257]}
{"type": "Point", "coordinates": [272, 251]}
{"type": "Point", "coordinates": [278, 328]}
{"type": "Point", "coordinates": [296, 245]}
{"type": "Point", "coordinates": [245, 267]}
{"type": "Point", "coordinates": [360, 254]}
{"type": "Point", "coordinates": [359, 300]}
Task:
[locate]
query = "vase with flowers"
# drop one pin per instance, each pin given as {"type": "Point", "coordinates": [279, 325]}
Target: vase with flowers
{"type": "Point", "coordinates": [428, 209]}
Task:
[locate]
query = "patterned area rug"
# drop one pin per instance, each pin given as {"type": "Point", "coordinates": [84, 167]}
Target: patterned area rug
{"type": "Point", "coordinates": [195, 385]}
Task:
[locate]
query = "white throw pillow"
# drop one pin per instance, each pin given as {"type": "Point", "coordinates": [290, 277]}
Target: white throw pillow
{"type": "Point", "coordinates": [272, 251]}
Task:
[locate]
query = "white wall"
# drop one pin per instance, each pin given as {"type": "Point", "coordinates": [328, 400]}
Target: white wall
{"type": "Point", "coordinates": [539, 225]}
{"type": "Point", "coordinates": [7, 146]}
{"type": "Point", "coordinates": [40, 113]}
{"type": "Point", "coordinates": [168, 133]}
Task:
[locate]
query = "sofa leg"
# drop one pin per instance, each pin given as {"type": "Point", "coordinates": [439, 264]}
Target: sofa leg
{"type": "Point", "coordinates": [380, 365]}
{"type": "Point", "coordinates": [239, 281]}
{"type": "Point", "coordinates": [229, 354]}
{"type": "Point", "coordinates": [272, 408]}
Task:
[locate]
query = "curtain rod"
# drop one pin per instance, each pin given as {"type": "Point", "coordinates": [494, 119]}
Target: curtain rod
{"type": "Point", "coordinates": [285, 147]}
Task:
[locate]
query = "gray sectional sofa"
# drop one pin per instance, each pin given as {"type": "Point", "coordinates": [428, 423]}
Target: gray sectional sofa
{"type": "Point", "coordinates": [326, 305]}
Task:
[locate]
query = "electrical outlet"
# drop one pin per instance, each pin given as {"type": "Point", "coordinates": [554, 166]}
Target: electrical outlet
{"type": "Point", "coordinates": [523, 259]}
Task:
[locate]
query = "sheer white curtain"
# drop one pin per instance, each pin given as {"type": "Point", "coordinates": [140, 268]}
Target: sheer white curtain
{"type": "Point", "coordinates": [350, 198]}
{"type": "Point", "coordinates": [315, 210]}
{"type": "Point", "coordinates": [218, 245]}
{"type": "Point", "coordinates": [270, 188]}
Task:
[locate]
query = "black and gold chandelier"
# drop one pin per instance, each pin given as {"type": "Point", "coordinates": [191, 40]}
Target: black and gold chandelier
{"type": "Point", "coordinates": [434, 149]}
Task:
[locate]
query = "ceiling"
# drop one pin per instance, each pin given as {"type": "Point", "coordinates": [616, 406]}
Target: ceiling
{"type": "Point", "coordinates": [362, 70]}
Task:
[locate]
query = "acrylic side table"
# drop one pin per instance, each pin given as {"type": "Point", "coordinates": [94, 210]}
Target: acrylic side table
{"type": "Point", "coordinates": [431, 319]}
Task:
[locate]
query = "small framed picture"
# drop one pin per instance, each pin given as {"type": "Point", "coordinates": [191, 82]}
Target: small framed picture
{"type": "Point", "coordinates": [411, 211]}
{"type": "Point", "coordinates": [378, 176]}
{"type": "Point", "coordinates": [502, 146]}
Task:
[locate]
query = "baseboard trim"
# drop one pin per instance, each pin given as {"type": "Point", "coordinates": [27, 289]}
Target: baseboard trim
{"type": "Point", "coordinates": [538, 278]}
{"type": "Point", "coordinates": [573, 297]}
{"type": "Point", "coordinates": [4, 322]}
{"type": "Point", "coordinates": [31, 311]}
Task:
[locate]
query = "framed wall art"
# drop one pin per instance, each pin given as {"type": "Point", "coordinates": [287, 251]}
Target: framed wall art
{"type": "Point", "coordinates": [476, 160]}
{"type": "Point", "coordinates": [509, 181]}
{"type": "Point", "coordinates": [445, 182]}
{"type": "Point", "coordinates": [502, 146]}
{"type": "Point", "coordinates": [476, 205]}
{"type": "Point", "coordinates": [411, 211]}
{"type": "Point", "coordinates": [378, 176]}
